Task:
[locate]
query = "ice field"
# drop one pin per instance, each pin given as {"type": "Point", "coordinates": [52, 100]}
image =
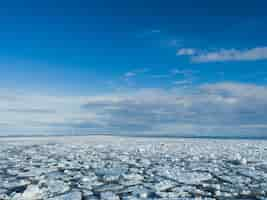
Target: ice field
{"type": "Point", "coordinates": [113, 168]}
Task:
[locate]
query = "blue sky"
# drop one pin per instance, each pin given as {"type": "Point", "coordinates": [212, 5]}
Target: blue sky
{"type": "Point", "coordinates": [133, 67]}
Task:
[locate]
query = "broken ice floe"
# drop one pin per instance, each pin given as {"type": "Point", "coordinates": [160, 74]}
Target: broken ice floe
{"type": "Point", "coordinates": [106, 168]}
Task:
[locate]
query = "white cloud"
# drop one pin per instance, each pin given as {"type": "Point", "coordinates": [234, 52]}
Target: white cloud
{"type": "Point", "coordinates": [160, 76]}
{"type": "Point", "coordinates": [183, 72]}
{"type": "Point", "coordinates": [236, 89]}
{"type": "Point", "coordinates": [130, 74]}
{"type": "Point", "coordinates": [186, 52]}
{"type": "Point", "coordinates": [209, 109]}
{"type": "Point", "coordinates": [213, 109]}
{"type": "Point", "coordinates": [258, 53]}
{"type": "Point", "coordinates": [182, 82]}
{"type": "Point", "coordinates": [155, 31]}
{"type": "Point", "coordinates": [134, 73]}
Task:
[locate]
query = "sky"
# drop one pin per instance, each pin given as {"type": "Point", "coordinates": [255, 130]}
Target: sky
{"type": "Point", "coordinates": [161, 68]}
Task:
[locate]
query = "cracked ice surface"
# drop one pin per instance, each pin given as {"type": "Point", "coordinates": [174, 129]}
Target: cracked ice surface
{"type": "Point", "coordinates": [114, 168]}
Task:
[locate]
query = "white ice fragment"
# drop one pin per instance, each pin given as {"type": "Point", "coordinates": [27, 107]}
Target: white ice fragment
{"type": "Point", "coordinates": [109, 196]}
{"type": "Point", "coordinates": [164, 185]}
{"type": "Point", "coordinates": [32, 192]}
{"type": "Point", "coordinates": [75, 195]}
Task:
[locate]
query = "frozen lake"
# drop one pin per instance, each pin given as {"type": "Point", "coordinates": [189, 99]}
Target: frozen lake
{"type": "Point", "coordinates": [113, 168]}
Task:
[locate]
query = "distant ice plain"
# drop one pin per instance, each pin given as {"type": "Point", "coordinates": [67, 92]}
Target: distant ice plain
{"type": "Point", "coordinates": [112, 167]}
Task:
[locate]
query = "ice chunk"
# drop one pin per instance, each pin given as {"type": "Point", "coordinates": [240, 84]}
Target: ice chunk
{"type": "Point", "coordinates": [109, 196]}
{"type": "Point", "coordinates": [75, 195]}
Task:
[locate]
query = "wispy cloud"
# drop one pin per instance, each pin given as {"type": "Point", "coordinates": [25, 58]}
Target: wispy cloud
{"type": "Point", "coordinates": [186, 52]}
{"type": "Point", "coordinates": [187, 72]}
{"type": "Point", "coordinates": [134, 73]}
{"type": "Point", "coordinates": [160, 76]}
{"type": "Point", "coordinates": [223, 55]}
{"type": "Point", "coordinates": [31, 110]}
{"type": "Point", "coordinates": [129, 74]}
{"type": "Point", "coordinates": [182, 82]}
{"type": "Point", "coordinates": [155, 31]}
{"type": "Point", "coordinates": [258, 53]}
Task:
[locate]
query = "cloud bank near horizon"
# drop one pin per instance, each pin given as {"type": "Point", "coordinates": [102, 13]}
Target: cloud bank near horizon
{"type": "Point", "coordinates": [219, 109]}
